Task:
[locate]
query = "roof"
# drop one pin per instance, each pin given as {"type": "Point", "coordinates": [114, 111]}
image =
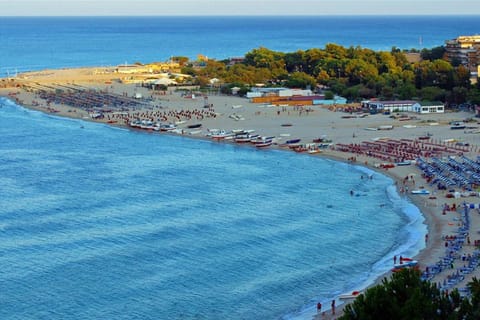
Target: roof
{"type": "Point", "coordinates": [394, 102]}
{"type": "Point", "coordinates": [431, 103]}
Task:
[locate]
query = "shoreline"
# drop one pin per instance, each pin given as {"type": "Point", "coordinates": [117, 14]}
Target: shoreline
{"type": "Point", "coordinates": [438, 225]}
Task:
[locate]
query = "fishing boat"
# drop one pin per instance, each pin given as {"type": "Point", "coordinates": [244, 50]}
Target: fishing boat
{"type": "Point", "coordinates": [261, 142]}
{"type": "Point", "coordinates": [221, 135]}
{"type": "Point", "coordinates": [254, 138]}
{"type": "Point", "coordinates": [242, 138]}
{"type": "Point", "coordinates": [168, 127]}
{"type": "Point", "coordinates": [194, 126]}
{"type": "Point", "coordinates": [265, 143]}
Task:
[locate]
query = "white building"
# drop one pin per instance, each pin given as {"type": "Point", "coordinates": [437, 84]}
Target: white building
{"type": "Point", "coordinates": [403, 106]}
{"type": "Point", "coordinates": [429, 107]}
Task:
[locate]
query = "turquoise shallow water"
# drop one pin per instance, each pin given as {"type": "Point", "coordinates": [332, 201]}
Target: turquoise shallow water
{"type": "Point", "coordinates": [100, 222]}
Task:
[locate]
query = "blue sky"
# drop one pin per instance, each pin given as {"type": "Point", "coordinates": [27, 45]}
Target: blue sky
{"type": "Point", "coordinates": [235, 7]}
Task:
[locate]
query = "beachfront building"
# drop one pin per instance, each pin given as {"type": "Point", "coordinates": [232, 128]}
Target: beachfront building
{"type": "Point", "coordinates": [151, 68]}
{"type": "Point", "coordinates": [402, 106]}
{"type": "Point", "coordinates": [376, 106]}
{"type": "Point", "coordinates": [257, 92]}
{"type": "Point", "coordinates": [330, 102]}
{"type": "Point", "coordinates": [464, 50]}
{"type": "Point", "coordinates": [429, 107]}
{"type": "Point", "coordinates": [291, 97]}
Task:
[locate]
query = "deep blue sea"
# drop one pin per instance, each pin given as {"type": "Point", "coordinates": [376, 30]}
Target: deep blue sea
{"type": "Point", "coordinates": [39, 43]}
{"type": "Point", "coordinates": [98, 222]}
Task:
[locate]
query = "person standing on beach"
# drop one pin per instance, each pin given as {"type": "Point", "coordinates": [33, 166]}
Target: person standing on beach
{"type": "Point", "coordinates": [319, 307]}
{"type": "Point", "coordinates": [333, 306]}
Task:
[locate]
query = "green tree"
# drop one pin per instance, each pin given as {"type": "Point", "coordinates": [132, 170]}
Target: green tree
{"type": "Point", "coordinates": [432, 94]}
{"type": "Point", "coordinates": [329, 95]}
{"type": "Point", "coordinates": [404, 296]}
{"type": "Point", "coordinates": [458, 95]}
{"type": "Point", "coordinates": [264, 58]}
{"type": "Point", "coordinates": [462, 77]}
{"type": "Point", "coordinates": [300, 80]}
{"type": "Point", "coordinates": [474, 96]}
{"type": "Point", "coordinates": [406, 91]}
{"type": "Point", "coordinates": [294, 61]}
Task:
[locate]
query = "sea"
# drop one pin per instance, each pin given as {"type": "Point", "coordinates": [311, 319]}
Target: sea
{"type": "Point", "coordinates": [100, 222]}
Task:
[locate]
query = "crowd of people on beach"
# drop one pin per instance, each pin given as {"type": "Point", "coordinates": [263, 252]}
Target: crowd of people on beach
{"type": "Point", "coordinates": [456, 262]}
{"type": "Point", "coordinates": [166, 116]}
{"type": "Point", "coordinates": [394, 150]}
{"type": "Point", "coordinates": [88, 99]}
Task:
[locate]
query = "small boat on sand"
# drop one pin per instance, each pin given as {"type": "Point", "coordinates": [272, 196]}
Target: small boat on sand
{"type": "Point", "coordinates": [292, 141]}
{"type": "Point", "coordinates": [194, 126]}
{"type": "Point", "coordinates": [420, 191]}
{"type": "Point", "coordinates": [262, 142]}
{"type": "Point", "coordinates": [457, 125]}
{"type": "Point", "coordinates": [348, 296]}
{"type": "Point", "coordinates": [405, 264]}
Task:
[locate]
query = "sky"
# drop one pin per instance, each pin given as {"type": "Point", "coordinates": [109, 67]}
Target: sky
{"type": "Point", "coordinates": [236, 7]}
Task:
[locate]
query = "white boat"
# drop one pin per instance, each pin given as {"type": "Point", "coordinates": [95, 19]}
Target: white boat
{"type": "Point", "coordinates": [168, 127]}
{"type": "Point", "coordinates": [242, 138]}
{"type": "Point", "coordinates": [386, 127]}
{"type": "Point", "coordinates": [457, 125]}
{"type": "Point", "coordinates": [262, 142]}
{"type": "Point", "coordinates": [420, 191]}
{"type": "Point", "coordinates": [405, 264]}
{"type": "Point", "coordinates": [221, 135]}
{"type": "Point", "coordinates": [348, 296]}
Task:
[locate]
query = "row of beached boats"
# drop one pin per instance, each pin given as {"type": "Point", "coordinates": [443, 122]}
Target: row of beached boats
{"type": "Point", "coordinates": [237, 136]}
{"type": "Point", "coordinates": [242, 136]}
{"type": "Point", "coordinates": [162, 126]}
{"type": "Point", "coordinates": [153, 125]}
{"type": "Point", "coordinates": [249, 136]}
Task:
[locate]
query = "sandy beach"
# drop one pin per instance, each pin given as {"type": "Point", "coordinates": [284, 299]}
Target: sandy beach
{"type": "Point", "coordinates": [300, 122]}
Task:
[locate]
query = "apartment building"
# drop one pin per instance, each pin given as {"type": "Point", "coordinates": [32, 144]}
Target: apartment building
{"type": "Point", "coordinates": [465, 50]}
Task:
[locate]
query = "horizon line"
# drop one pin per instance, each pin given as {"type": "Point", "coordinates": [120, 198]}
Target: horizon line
{"type": "Point", "coordinates": [255, 15]}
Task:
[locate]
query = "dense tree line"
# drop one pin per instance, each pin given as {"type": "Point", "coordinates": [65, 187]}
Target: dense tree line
{"type": "Point", "coordinates": [406, 296]}
{"type": "Point", "coordinates": [356, 73]}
